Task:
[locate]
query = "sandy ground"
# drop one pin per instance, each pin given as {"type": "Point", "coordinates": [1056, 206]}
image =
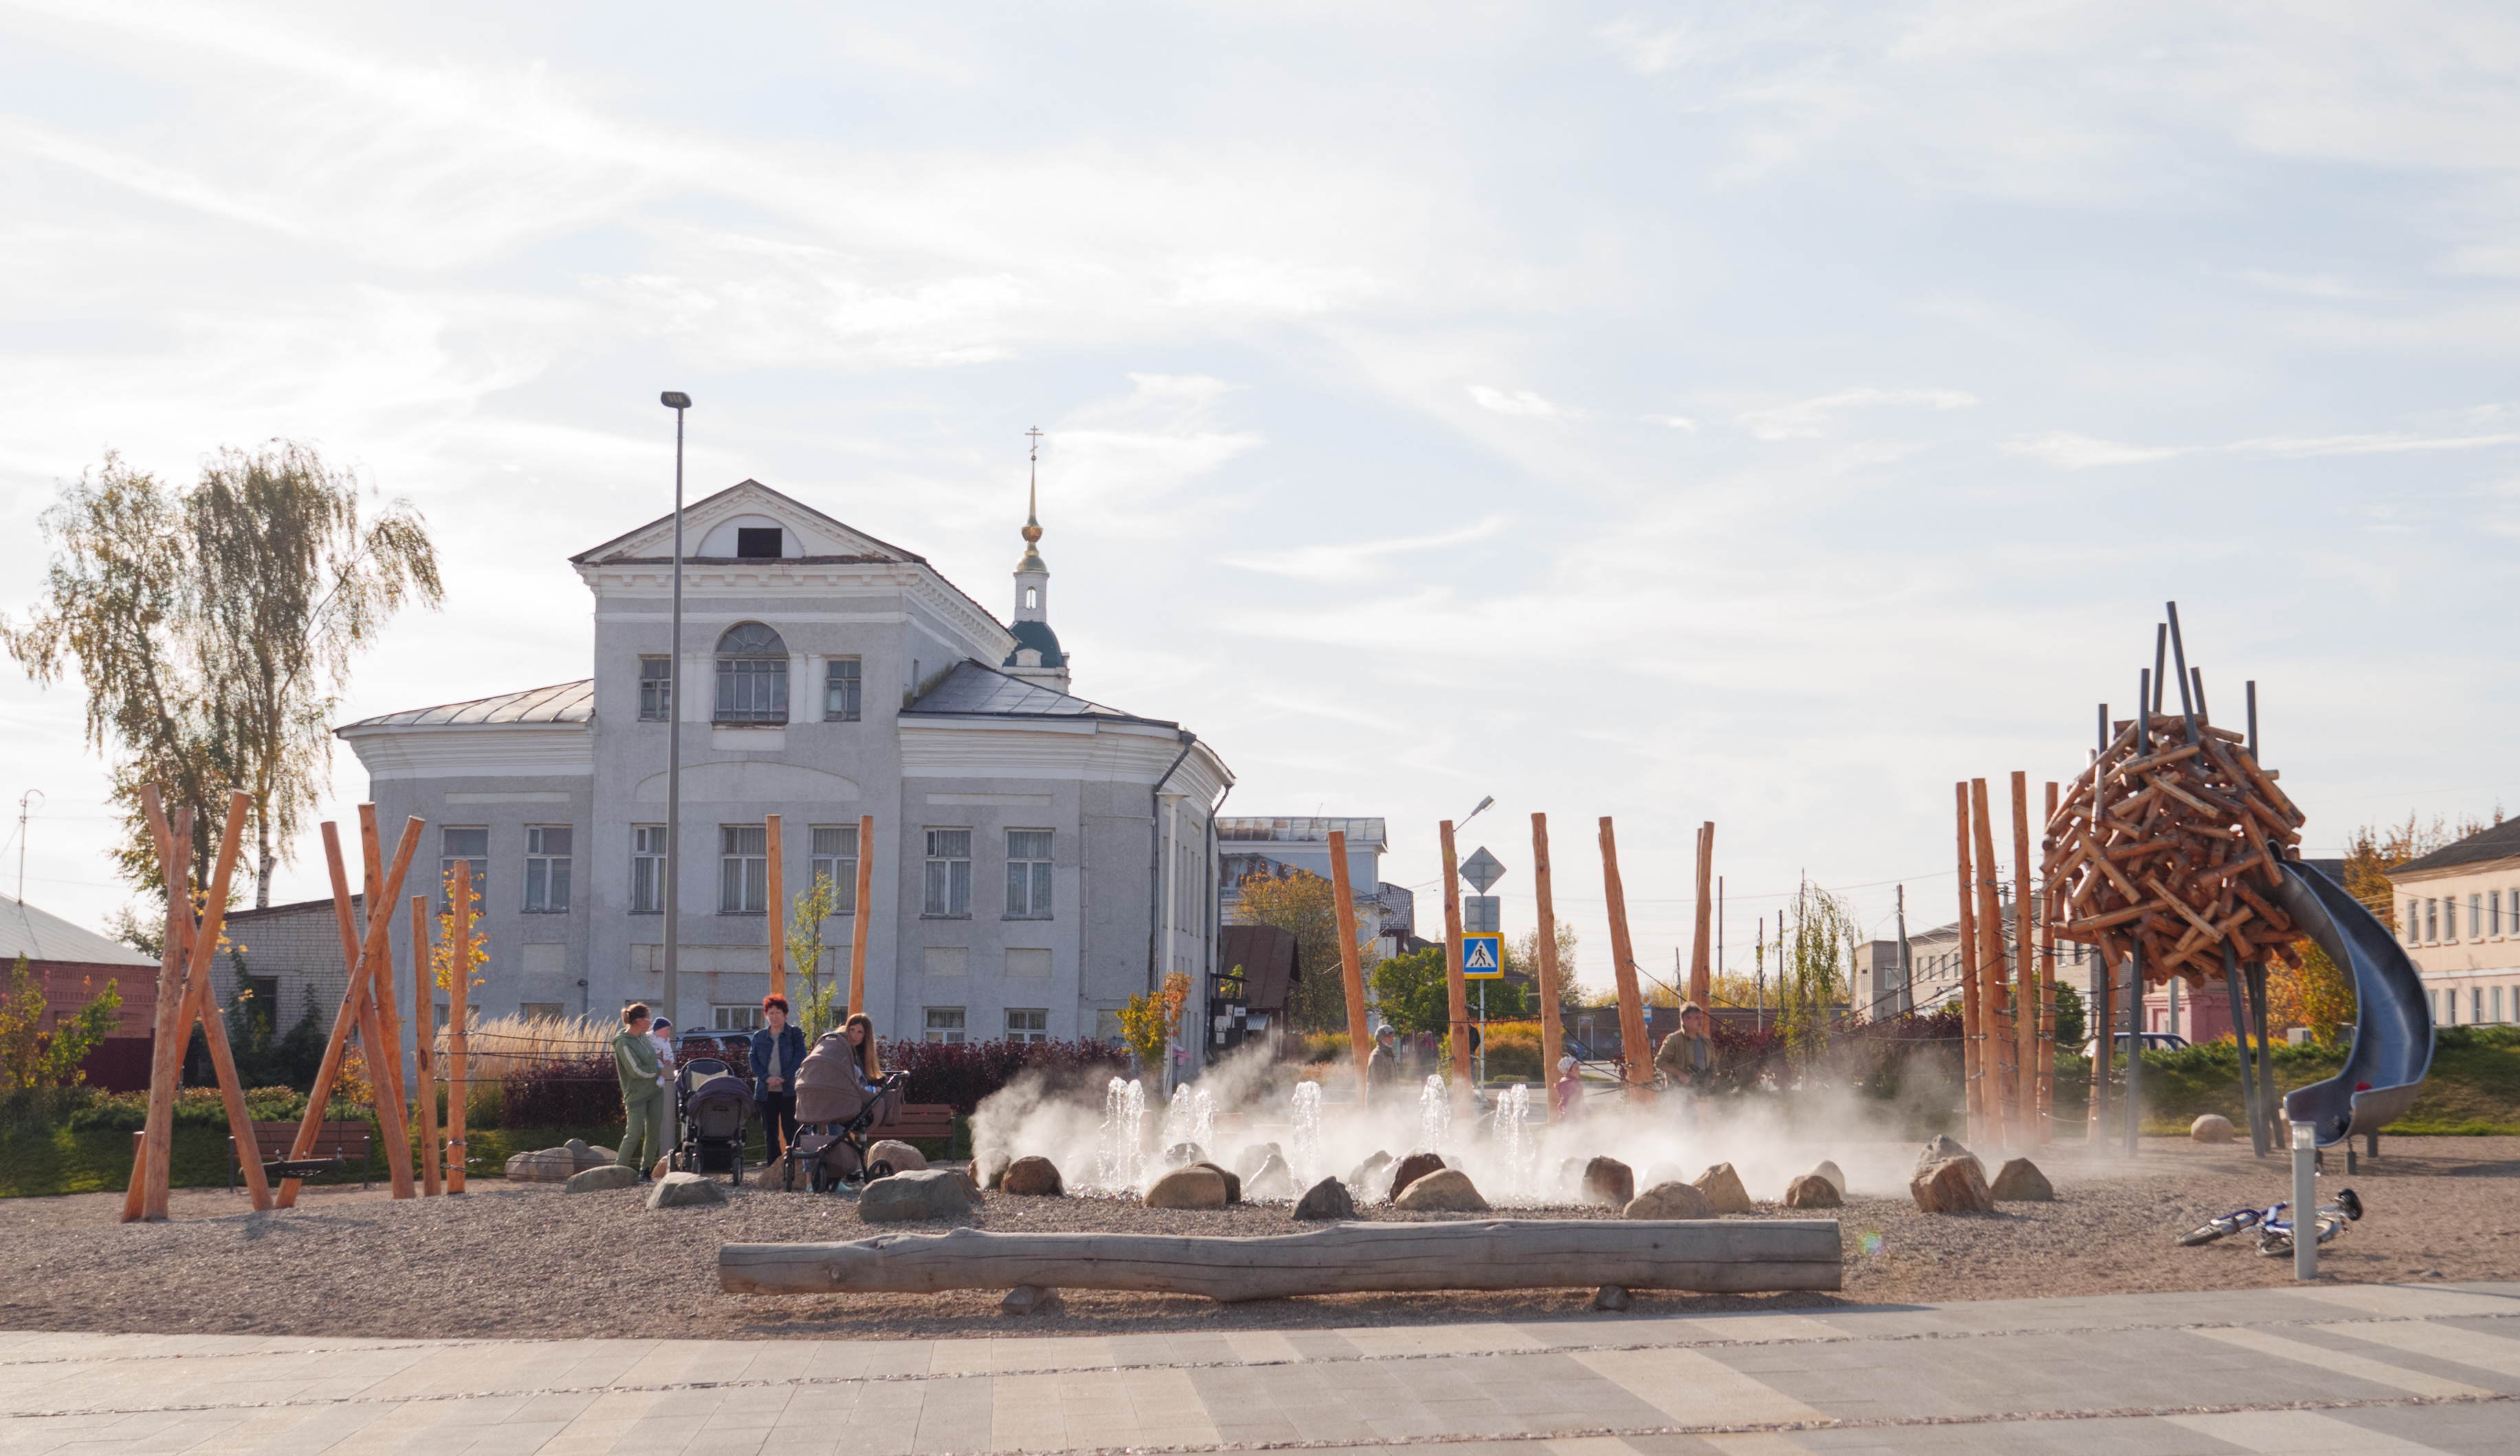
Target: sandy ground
{"type": "Point", "coordinates": [531, 1261]}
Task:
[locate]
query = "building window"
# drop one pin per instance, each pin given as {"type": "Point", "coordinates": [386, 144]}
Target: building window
{"type": "Point", "coordinates": [2497, 1003]}
{"type": "Point", "coordinates": [2476, 918]}
{"type": "Point", "coordinates": [949, 874]}
{"type": "Point", "coordinates": [945, 1024]}
{"type": "Point", "coordinates": [2494, 912]}
{"type": "Point", "coordinates": [835, 855]}
{"type": "Point", "coordinates": [2475, 1005]}
{"type": "Point", "coordinates": [547, 857]}
{"type": "Point", "coordinates": [745, 1018]}
{"type": "Point", "coordinates": [539, 1010]}
{"type": "Point", "coordinates": [759, 543]}
{"type": "Point", "coordinates": [464, 845]}
{"type": "Point", "coordinates": [646, 870]}
{"type": "Point", "coordinates": [1027, 1025]}
{"type": "Point", "coordinates": [752, 676]}
{"type": "Point", "coordinates": [2432, 920]}
{"type": "Point", "coordinates": [743, 869]}
{"type": "Point", "coordinates": [2413, 918]}
{"type": "Point", "coordinates": [1028, 874]}
{"type": "Point", "coordinates": [840, 691]}
{"type": "Point", "coordinates": [655, 688]}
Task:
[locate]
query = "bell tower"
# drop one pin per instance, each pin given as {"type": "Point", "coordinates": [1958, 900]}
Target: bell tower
{"type": "Point", "coordinates": [1037, 656]}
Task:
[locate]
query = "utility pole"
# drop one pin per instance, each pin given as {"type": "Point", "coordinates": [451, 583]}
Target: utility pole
{"type": "Point", "coordinates": [25, 805]}
{"type": "Point", "coordinates": [676, 401]}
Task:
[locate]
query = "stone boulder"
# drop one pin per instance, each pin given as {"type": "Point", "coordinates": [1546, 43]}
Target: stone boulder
{"type": "Point", "coordinates": [902, 1155]}
{"type": "Point", "coordinates": [1032, 1299]}
{"type": "Point", "coordinates": [1326, 1200]}
{"type": "Point", "coordinates": [1658, 1173]}
{"type": "Point", "coordinates": [1954, 1185]}
{"type": "Point", "coordinates": [916, 1196]}
{"type": "Point", "coordinates": [1446, 1190]}
{"type": "Point", "coordinates": [1607, 1180]}
{"type": "Point", "coordinates": [546, 1166]}
{"type": "Point", "coordinates": [1233, 1184]}
{"type": "Point", "coordinates": [1829, 1171]}
{"type": "Point", "coordinates": [1031, 1177]}
{"type": "Point", "coordinates": [588, 1155]}
{"type": "Point", "coordinates": [2019, 1180]}
{"type": "Point", "coordinates": [686, 1190]}
{"type": "Point", "coordinates": [2212, 1127]}
{"type": "Point", "coordinates": [1724, 1191]}
{"type": "Point", "coordinates": [1272, 1181]}
{"type": "Point", "coordinates": [1192, 1187]}
{"type": "Point", "coordinates": [1942, 1149]}
{"type": "Point", "coordinates": [1371, 1178]}
{"type": "Point", "coordinates": [1671, 1200]}
{"type": "Point", "coordinates": [1410, 1170]}
{"type": "Point", "coordinates": [1812, 1191]}
{"type": "Point", "coordinates": [1251, 1159]}
{"type": "Point", "coordinates": [604, 1175]}
{"type": "Point", "coordinates": [1184, 1154]}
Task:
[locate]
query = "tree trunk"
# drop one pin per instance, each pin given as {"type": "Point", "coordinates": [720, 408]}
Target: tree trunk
{"type": "Point", "coordinates": [1711, 1254]}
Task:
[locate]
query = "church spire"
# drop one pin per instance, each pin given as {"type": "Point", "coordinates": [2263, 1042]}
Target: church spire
{"type": "Point", "coordinates": [1037, 656]}
{"type": "Point", "coordinates": [1032, 560]}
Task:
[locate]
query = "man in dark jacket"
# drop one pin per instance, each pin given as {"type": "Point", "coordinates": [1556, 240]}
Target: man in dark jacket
{"type": "Point", "coordinates": [777, 1049]}
{"type": "Point", "coordinates": [1382, 1068]}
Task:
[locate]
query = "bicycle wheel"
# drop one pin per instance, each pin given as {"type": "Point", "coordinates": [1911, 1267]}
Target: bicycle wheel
{"type": "Point", "coordinates": [2223, 1227]}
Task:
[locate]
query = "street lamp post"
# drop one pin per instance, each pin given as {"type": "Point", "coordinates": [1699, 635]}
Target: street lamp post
{"type": "Point", "coordinates": [676, 401]}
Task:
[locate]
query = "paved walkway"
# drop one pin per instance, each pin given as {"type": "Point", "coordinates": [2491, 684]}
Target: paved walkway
{"type": "Point", "coordinates": [2351, 1368]}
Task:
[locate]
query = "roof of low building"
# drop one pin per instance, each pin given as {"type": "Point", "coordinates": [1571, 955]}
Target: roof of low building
{"type": "Point", "coordinates": [975, 690]}
{"type": "Point", "coordinates": [1360, 832]}
{"type": "Point", "coordinates": [560, 702]}
{"type": "Point", "coordinates": [1270, 960]}
{"type": "Point", "coordinates": [2500, 842]}
{"type": "Point", "coordinates": [40, 935]}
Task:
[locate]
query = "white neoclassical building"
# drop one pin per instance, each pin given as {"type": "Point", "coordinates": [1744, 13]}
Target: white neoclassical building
{"type": "Point", "coordinates": [1039, 858]}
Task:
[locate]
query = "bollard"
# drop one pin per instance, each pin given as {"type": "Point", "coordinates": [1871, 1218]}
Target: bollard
{"type": "Point", "coordinates": [2304, 1201]}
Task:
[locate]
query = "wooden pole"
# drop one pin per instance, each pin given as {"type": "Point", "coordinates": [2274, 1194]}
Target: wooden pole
{"type": "Point", "coordinates": [167, 1054]}
{"type": "Point", "coordinates": [1973, 1047]}
{"type": "Point", "coordinates": [459, 991]}
{"type": "Point", "coordinates": [1991, 1006]}
{"type": "Point", "coordinates": [354, 993]}
{"type": "Point", "coordinates": [424, 1050]}
{"type": "Point", "coordinates": [385, 1022]}
{"type": "Point", "coordinates": [1701, 978]}
{"type": "Point", "coordinates": [1552, 1035]}
{"type": "Point", "coordinates": [858, 923]}
{"type": "Point", "coordinates": [778, 909]}
{"type": "Point", "coordinates": [1457, 999]}
{"type": "Point", "coordinates": [1359, 1033]}
{"type": "Point", "coordinates": [2025, 974]}
{"type": "Point", "coordinates": [1637, 1056]}
{"type": "Point", "coordinates": [2047, 997]}
{"type": "Point", "coordinates": [204, 1004]}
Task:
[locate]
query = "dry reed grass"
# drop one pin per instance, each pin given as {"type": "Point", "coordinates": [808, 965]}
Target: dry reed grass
{"type": "Point", "coordinates": [499, 1047]}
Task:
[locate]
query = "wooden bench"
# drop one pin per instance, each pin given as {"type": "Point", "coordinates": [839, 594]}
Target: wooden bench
{"type": "Point", "coordinates": [337, 1142]}
{"type": "Point", "coordinates": [916, 1121]}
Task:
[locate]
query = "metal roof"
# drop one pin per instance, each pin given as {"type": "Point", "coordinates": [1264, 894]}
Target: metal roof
{"type": "Point", "coordinates": [561, 702]}
{"type": "Point", "coordinates": [40, 935]}
{"type": "Point", "coordinates": [1359, 831]}
{"type": "Point", "coordinates": [974, 689]}
{"type": "Point", "coordinates": [2501, 841]}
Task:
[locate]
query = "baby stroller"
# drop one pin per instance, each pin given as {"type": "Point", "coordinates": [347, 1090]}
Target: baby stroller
{"type": "Point", "coordinates": [834, 1108]}
{"type": "Point", "coordinates": [712, 1106]}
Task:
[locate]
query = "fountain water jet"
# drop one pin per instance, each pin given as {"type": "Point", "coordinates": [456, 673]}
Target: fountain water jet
{"type": "Point", "coordinates": [1123, 1153]}
{"type": "Point", "coordinates": [1306, 1154]}
{"type": "Point", "coordinates": [1435, 1113]}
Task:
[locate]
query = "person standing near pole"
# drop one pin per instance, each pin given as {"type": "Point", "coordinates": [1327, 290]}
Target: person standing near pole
{"type": "Point", "coordinates": [1382, 1068]}
{"type": "Point", "coordinates": [643, 1092]}
{"type": "Point", "coordinates": [1687, 1058]}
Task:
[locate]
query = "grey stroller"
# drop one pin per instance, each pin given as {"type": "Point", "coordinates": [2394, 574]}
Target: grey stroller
{"type": "Point", "coordinates": [834, 1108]}
{"type": "Point", "coordinates": [714, 1107]}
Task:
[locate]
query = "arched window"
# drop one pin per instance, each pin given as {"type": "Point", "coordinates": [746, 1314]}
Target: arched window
{"type": "Point", "coordinates": [1032, 598]}
{"type": "Point", "coordinates": [752, 674]}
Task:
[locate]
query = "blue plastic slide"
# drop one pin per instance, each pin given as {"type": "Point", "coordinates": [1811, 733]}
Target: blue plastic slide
{"type": "Point", "coordinates": [2393, 1018]}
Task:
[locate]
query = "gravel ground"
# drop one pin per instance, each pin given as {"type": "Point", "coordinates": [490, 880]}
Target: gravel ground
{"type": "Point", "coordinates": [530, 1261]}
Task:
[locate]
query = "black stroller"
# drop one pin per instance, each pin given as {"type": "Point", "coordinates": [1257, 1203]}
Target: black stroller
{"type": "Point", "coordinates": [834, 1108]}
{"type": "Point", "coordinates": [714, 1107]}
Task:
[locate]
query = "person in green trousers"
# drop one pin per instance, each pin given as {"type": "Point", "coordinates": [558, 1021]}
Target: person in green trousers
{"type": "Point", "coordinates": [643, 1092]}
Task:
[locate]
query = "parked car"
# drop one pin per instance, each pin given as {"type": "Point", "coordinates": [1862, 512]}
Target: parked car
{"type": "Point", "coordinates": [2152, 1041]}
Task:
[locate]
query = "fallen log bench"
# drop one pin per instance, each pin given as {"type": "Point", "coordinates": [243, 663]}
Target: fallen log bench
{"type": "Point", "coordinates": [1706, 1256]}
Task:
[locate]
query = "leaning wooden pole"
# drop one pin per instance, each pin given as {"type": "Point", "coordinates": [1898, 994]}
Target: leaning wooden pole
{"type": "Point", "coordinates": [2025, 975]}
{"type": "Point", "coordinates": [1701, 977]}
{"type": "Point", "coordinates": [1457, 996]}
{"type": "Point", "coordinates": [778, 909]}
{"type": "Point", "coordinates": [1359, 1031]}
{"type": "Point", "coordinates": [1992, 1004]}
{"type": "Point", "coordinates": [864, 914]}
{"type": "Point", "coordinates": [381, 1030]}
{"type": "Point", "coordinates": [320, 1096]}
{"type": "Point", "coordinates": [459, 991]}
{"type": "Point", "coordinates": [166, 1055]}
{"type": "Point", "coordinates": [2048, 996]}
{"type": "Point", "coordinates": [424, 1051]}
{"type": "Point", "coordinates": [1635, 1057]}
{"type": "Point", "coordinates": [1553, 1034]}
{"type": "Point", "coordinates": [1972, 1043]}
{"type": "Point", "coordinates": [203, 1003]}
{"type": "Point", "coordinates": [167, 1012]}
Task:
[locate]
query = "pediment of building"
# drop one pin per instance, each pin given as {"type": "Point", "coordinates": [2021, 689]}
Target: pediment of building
{"type": "Point", "coordinates": [709, 526]}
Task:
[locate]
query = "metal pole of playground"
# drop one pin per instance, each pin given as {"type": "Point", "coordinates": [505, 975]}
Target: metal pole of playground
{"type": "Point", "coordinates": [2304, 1201]}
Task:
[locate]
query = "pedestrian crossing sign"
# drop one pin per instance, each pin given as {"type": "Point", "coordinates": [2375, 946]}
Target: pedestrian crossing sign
{"type": "Point", "coordinates": [1482, 957]}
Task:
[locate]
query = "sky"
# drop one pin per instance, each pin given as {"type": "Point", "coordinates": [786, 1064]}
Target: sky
{"type": "Point", "coordinates": [1766, 414]}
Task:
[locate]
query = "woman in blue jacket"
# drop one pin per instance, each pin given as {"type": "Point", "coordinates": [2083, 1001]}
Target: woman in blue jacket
{"type": "Point", "coordinates": [777, 1051]}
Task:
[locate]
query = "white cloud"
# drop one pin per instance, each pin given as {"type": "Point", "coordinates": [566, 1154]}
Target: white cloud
{"type": "Point", "coordinates": [1522, 404]}
{"type": "Point", "coordinates": [2072, 452]}
{"type": "Point", "coordinates": [1681, 422]}
{"type": "Point", "coordinates": [1352, 560]}
{"type": "Point", "coordinates": [1808, 418]}
{"type": "Point", "coordinates": [1642, 49]}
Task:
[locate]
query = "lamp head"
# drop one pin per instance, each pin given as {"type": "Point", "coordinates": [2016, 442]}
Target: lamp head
{"type": "Point", "coordinates": [674, 399]}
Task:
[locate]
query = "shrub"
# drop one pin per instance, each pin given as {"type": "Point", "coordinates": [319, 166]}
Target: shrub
{"type": "Point", "coordinates": [960, 1074]}
{"type": "Point", "coordinates": [563, 1092]}
{"type": "Point", "coordinates": [195, 1107]}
